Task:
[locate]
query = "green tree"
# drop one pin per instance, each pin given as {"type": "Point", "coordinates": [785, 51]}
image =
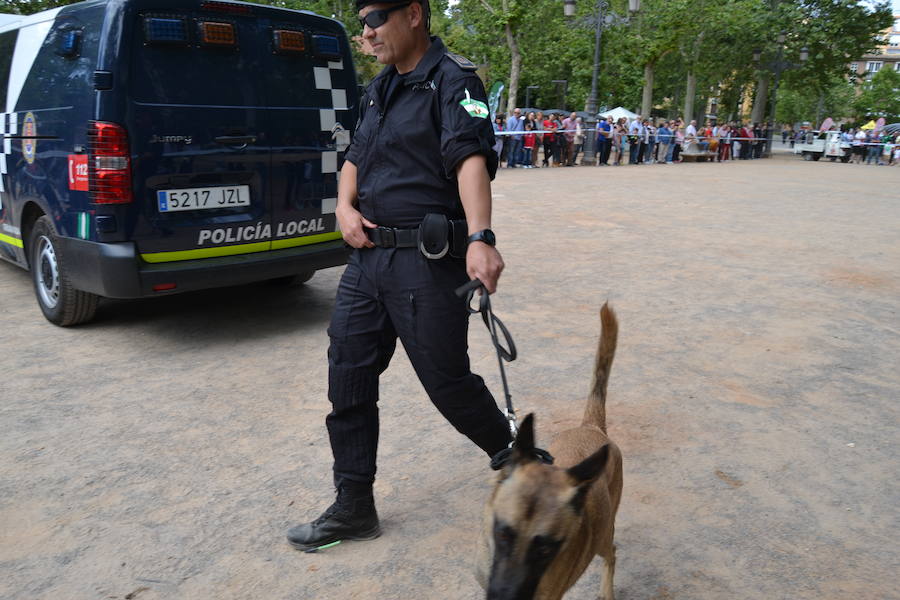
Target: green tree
{"type": "Point", "coordinates": [880, 97]}
{"type": "Point", "coordinates": [807, 103]}
{"type": "Point", "coordinates": [29, 7]}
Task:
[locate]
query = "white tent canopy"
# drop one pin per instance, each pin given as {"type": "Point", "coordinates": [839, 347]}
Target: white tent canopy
{"type": "Point", "coordinates": [619, 112]}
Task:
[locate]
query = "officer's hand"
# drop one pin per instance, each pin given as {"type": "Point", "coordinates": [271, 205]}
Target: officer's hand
{"type": "Point", "coordinates": [485, 263]}
{"type": "Point", "coordinates": [352, 227]}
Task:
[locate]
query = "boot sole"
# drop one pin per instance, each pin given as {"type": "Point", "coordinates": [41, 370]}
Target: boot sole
{"type": "Point", "coordinates": [366, 535]}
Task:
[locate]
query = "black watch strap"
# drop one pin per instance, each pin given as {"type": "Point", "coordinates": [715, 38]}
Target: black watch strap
{"type": "Point", "coordinates": [485, 235]}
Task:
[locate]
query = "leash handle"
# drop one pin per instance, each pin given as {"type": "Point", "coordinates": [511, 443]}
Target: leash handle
{"type": "Point", "coordinates": [468, 287]}
{"type": "Point", "coordinates": [467, 290]}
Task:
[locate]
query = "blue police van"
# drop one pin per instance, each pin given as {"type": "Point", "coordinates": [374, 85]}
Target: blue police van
{"type": "Point", "coordinates": [159, 146]}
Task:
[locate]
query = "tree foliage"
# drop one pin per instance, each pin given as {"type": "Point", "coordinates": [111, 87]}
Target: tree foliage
{"type": "Point", "coordinates": [712, 41]}
{"type": "Point", "coordinates": [880, 97]}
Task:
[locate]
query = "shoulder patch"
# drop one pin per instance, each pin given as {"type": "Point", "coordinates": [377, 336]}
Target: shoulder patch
{"type": "Point", "coordinates": [461, 61]}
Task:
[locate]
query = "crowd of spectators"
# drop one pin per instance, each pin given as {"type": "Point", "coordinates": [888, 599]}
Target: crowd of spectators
{"type": "Point", "coordinates": [638, 141]}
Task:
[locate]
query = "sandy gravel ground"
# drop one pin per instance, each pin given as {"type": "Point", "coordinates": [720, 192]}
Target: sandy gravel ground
{"type": "Point", "coordinates": [162, 451]}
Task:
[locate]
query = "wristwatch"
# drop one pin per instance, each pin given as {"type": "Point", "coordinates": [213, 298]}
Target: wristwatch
{"type": "Point", "coordinates": [485, 235]}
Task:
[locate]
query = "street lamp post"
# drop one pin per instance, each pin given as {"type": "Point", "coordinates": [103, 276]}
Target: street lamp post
{"type": "Point", "coordinates": [562, 84]}
{"type": "Point", "coordinates": [778, 66]}
{"type": "Point", "coordinates": [602, 18]}
{"type": "Point", "coordinates": [528, 94]}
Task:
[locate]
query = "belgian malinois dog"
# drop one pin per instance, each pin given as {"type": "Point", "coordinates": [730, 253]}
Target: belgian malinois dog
{"type": "Point", "coordinates": [544, 524]}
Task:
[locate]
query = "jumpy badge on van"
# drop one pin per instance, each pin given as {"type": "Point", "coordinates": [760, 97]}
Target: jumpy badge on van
{"type": "Point", "coordinates": [29, 144]}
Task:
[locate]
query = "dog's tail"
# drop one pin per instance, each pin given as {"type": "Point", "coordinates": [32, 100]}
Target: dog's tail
{"type": "Point", "coordinates": [595, 412]}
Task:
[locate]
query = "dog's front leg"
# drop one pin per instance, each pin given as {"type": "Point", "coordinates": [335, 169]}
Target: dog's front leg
{"type": "Point", "coordinates": [609, 569]}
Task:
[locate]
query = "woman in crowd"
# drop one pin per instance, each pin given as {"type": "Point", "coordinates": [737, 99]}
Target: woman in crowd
{"type": "Point", "coordinates": [550, 127]}
{"type": "Point", "coordinates": [724, 143]}
{"type": "Point", "coordinates": [621, 139]}
{"type": "Point", "coordinates": [664, 137]}
{"type": "Point", "coordinates": [859, 148]}
{"type": "Point", "coordinates": [500, 140]}
{"type": "Point", "coordinates": [538, 138]}
{"type": "Point", "coordinates": [558, 142]}
{"type": "Point", "coordinates": [579, 140]}
{"type": "Point", "coordinates": [679, 141]}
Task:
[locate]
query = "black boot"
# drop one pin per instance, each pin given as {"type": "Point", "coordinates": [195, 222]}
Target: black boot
{"type": "Point", "coordinates": [351, 517]}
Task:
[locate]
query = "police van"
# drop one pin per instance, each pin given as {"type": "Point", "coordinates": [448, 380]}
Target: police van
{"type": "Point", "coordinates": [159, 146]}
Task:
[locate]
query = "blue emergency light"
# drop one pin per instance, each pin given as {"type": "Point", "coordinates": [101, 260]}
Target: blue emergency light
{"type": "Point", "coordinates": [69, 42]}
{"type": "Point", "coordinates": [163, 30]}
{"type": "Point", "coordinates": [327, 45]}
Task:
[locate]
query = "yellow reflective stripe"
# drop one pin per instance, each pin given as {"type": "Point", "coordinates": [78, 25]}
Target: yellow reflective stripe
{"type": "Point", "coordinates": [160, 257]}
{"type": "Point", "coordinates": [11, 241]}
{"type": "Point", "coordinates": [306, 240]}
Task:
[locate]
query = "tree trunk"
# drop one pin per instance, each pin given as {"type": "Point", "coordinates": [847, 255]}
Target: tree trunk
{"type": "Point", "coordinates": [514, 68]}
{"type": "Point", "coordinates": [762, 100]}
{"type": "Point", "coordinates": [647, 98]}
{"type": "Point", "coordinates": [689, 96]}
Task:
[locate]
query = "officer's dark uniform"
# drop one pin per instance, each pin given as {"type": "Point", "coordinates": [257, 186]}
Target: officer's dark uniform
{"type": "Point", "coordinates": [414, 130]}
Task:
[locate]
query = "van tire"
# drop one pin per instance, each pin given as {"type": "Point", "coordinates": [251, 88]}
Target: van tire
{"type": "Point", "coordinates": [290, 280]}
{"type": "Point", "coordinates": [61, 303]}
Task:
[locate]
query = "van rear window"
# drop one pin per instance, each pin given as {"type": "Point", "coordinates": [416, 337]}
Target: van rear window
{"type": "Point", "coordinates": [246, 72]}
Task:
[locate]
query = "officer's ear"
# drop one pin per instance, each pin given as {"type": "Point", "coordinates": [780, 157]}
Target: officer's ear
{"type": "Point", "coordinates": [419, 15]}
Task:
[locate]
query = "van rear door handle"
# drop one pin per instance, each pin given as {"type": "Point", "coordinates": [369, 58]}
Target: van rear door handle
{"type": "Point", "coordinates": [235, 140]}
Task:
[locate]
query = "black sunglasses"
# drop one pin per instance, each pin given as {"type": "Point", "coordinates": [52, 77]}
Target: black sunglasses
{"type": "Point", "coordinates": [377, 18]}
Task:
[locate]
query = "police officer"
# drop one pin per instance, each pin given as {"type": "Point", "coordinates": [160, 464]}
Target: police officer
{"type": "Point", "coordinates": [414, 201]}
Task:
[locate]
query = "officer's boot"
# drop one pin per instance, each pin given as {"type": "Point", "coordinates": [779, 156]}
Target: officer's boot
{"type": "Point", "coordinates": [351, 517]}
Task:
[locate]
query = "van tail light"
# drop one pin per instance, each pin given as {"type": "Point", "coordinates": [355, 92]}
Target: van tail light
{"type": "Point", "coordinates": [109, 163]}
{"type": "Point", "coordinates": [227, 7]}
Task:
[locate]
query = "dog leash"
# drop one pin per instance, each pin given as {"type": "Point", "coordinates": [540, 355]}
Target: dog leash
{"type": "Point", "coordinates": [504, 354]}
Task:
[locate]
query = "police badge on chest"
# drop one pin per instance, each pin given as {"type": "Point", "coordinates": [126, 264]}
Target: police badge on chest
{"type": "Point", "coordinates": [425, 86]}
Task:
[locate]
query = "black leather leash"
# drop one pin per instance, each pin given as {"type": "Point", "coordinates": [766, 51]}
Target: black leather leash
{"type": "Point", "coordinates": [504, 354]}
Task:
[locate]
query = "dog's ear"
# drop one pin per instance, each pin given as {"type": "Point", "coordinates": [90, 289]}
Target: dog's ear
{"type": "Point", "coordinates": [590, 468]}
{"type": "Point", "coordinates": [523, 447]}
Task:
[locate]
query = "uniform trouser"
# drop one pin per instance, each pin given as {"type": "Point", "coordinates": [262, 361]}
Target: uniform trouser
{"type": "Point", "coordinates": [385, 294]}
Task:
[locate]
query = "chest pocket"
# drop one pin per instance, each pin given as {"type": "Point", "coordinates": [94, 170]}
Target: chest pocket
{"type": "Point", "coordinates": [413, 119]}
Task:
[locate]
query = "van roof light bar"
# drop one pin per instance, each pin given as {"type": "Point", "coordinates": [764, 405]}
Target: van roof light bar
{"type": "Point", "coordinates": [217, 34]}
{"type": "Point", "coordinates": [287, 40]}
{"type": "Point", "coordinates": [327, 45]}
{"type": "Point", "coordinates": [165, 30]}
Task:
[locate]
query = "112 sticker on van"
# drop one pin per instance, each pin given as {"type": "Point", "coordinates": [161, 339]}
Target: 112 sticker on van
{"type": "Point", "coordinates": [78, 172]}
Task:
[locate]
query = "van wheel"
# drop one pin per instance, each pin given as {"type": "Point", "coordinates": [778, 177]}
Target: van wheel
{"type": "Point", "coordinates": [845, 159]}
{"type": "Point", "coordinates": [59, 301]}
{"type": "Point", "coordinates": [807, 156]}
{"type": "Point", "coordinates": [816, 157]}
{"type": "Point", "coordinates": [298, 279]}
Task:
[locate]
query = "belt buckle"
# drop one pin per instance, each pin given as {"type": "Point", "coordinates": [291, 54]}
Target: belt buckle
{"type": "Point", "coordinates": [388, 237]}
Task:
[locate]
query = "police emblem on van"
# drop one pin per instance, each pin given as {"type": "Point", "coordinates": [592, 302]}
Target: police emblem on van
{"type": "Point", "coordinates": [29, 144]}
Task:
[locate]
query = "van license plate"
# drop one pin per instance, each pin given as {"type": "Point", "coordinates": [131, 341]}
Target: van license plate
{"type": "Point", "coordinates": [203, 198]}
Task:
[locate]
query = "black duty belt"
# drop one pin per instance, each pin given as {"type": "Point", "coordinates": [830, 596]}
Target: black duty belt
{"type": "Point", "coordinates": [436, 237]}
{"type": "Point", "coordinates": [388, 237]}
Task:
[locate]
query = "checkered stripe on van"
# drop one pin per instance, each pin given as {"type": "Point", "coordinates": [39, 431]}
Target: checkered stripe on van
{"type": "Point", "coordinates": [327, 122]}
{"type": "Point", "coordinates": [10, 124]}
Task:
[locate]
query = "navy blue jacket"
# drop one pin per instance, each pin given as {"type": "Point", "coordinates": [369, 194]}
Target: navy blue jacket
{"type": "Point", "coordinates": [412, 135]}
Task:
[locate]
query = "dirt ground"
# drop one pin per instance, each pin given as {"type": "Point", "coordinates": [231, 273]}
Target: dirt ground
{"type": "Point", "coordinates": [162, 451]}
